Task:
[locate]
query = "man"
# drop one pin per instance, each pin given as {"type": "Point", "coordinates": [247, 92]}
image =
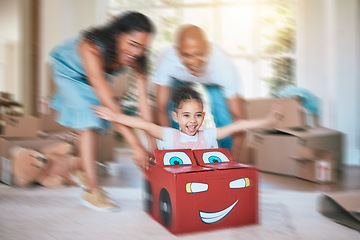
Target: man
{"type": "Point", "coordinates": [195, 59]}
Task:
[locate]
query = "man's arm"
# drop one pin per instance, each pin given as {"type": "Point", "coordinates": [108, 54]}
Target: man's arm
{"type": "Point", "coordinates": [162, 100]}
{"type": "Point", "coordinates": [237, 109]}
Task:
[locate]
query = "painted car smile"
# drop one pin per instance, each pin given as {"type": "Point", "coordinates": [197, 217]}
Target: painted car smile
{"type": "Point", "coordinates": [213, 217]}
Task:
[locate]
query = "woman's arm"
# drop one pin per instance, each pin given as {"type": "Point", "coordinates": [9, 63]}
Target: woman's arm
{"type": "Point", "coordinates": [134, 122]}
{"type": "Point", "coordinates": [144, 106]}
{"type": "Point", "coordinates": [270, 120]}
{"type": "Point", "coordinates": [94, 68]}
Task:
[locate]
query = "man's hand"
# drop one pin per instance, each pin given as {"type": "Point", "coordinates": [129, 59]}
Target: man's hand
{"type": "Point", "coordinates": [237, 146]}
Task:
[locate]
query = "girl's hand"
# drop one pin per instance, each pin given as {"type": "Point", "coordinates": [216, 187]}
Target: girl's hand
{"type": "Point", "coordinates": [274, 116]}
{"type": "Point", "coordinates": [104, 113]}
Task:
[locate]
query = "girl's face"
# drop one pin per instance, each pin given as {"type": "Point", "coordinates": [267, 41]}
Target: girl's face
{"type": "Point", "coordinates": [189, 116]}
{"type": "Point", "coordinates": [131, 46]}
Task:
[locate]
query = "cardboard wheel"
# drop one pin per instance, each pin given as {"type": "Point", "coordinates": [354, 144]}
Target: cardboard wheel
{"type": "Point", "coordinates": [165, 207]}
{"type": "Point", "coordinates": [148, 196]}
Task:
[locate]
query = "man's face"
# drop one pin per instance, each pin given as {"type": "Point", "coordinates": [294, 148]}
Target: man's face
{"type": "Point", "coordinates": [194, 55]}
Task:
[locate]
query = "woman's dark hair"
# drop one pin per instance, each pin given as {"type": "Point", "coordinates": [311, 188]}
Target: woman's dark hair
{"type": "Point", "coordinates": [125, 23]}
{"type": "Point", "coordinates": [184, 93]}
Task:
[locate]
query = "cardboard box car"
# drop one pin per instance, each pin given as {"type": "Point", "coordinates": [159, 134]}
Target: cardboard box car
{"type": "Point", "coordinates": [200, 190]}
{"type": "Point", "coordinates": [18, 126]}
{"type": "Point", "coordinates": [316, 165]}
{"type": "Point", "coordinates": [5, 157]}
{"type": "Point", "coordinates": [275, 148]}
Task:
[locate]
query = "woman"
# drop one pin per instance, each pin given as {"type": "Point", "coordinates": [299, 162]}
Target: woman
{"type": "Point", "coordinates": [82, 67]}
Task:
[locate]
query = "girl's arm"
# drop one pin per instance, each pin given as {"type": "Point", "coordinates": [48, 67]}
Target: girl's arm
{"type": "Point", "coordinates": [134, 122]}
{"type": "Point", "coordinates": [244, 125]}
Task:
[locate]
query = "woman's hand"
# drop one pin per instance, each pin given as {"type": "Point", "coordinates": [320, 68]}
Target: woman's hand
{"type": "Point", "coordinates": [141, 158]}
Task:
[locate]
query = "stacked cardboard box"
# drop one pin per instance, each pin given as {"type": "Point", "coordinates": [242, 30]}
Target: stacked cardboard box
{"type": "Point", "coordinates": [314, 164]}
{"type": "Point", "coordinates": [275, 149]}
{"type": "Point", "coordinates": [36, 133]}
{"type": "Point", "coordinates": [49, 128]}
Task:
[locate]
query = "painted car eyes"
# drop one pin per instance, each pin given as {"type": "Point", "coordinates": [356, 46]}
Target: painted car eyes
{"type": "Point", "coordinates": [176, 158]}
{"type": "Point", "coordinates": [214, 157]}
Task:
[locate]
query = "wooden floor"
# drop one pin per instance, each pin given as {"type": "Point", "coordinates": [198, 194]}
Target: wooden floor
{"type": "Point", "coordinates": [123, 173]}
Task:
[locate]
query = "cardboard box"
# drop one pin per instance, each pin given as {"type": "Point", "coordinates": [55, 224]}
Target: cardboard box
{"type": "Point", "coordinates": [200, 190]}
{"type": "Point", "coordinates": [47, 115]}
{"type": "Point", "coordinates": [105, 143]}
{"type": "Point", "coordinates": [5, 146]}
{"type": "Point", "coordinates": [292, 110]}
{"type": "Point", "coordinates": [275, 148]}
{"type": "Point", "coordinates": [247, 154]}
{"type": "Point", "coordinates": [315, 165]}
{"type": "Point", "coordinates": [18, 126]}
{"type": "Point", "coordinates": [47, 122]}
{"type": "Point", "coordinates": [105, 147]}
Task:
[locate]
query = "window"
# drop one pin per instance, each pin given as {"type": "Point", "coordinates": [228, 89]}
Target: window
{"type": "Point", "coordinates": [258, 34]}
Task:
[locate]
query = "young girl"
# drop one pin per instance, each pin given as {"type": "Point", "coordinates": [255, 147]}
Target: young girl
{"type": "Point", "coordinates": [189, 115]}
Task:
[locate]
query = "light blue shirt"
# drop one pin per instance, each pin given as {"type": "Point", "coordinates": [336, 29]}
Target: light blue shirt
{"type": "Point", "coordinates": [220, 71]}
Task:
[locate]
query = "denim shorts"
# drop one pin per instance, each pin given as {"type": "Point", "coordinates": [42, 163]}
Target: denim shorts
{"type": "Point", "coordinates": [73, 101]}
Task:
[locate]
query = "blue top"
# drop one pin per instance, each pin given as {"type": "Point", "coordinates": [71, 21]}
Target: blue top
{"type": "Point", "coordinates": [69, 61]}
{"type": "Point", "coordinates": [75, 96]}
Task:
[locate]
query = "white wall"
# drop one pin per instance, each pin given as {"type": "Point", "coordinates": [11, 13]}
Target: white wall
{"type": "Point", "coordinates": [9, 20]}
{"type": "Point", "coordinates": [62, 19]}
{"type": "Point", "coordinates": [328, 46]}
{"type": "Point", "coordinates": [9, 47]}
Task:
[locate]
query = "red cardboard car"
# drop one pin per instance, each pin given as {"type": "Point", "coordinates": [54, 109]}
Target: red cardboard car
{"type": "Point", "coordinates": [199, 190]}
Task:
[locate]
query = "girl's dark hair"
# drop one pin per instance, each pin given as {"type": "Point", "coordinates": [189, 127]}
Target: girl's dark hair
{"type": "Point", "coordinates": [183, 93]}
{"type": "Point", "coordinates": [125, 23]}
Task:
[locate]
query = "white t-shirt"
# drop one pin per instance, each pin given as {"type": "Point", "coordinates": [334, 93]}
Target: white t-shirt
{"type": "Point", "coordinates": [169, 134]}
{"type": "Point", "coordinates": [220, 70]}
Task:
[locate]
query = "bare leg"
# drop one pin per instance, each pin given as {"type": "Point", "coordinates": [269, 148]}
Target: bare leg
{"type": "Point", "coordinates": [88, 157]}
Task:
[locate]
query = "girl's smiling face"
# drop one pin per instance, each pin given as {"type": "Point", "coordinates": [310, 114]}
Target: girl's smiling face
{"type": "Point", "coordinates": [190, 116]}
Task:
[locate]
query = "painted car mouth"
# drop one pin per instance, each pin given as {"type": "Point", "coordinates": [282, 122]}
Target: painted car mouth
{"type": "Point", "coordinates": [213, 217]}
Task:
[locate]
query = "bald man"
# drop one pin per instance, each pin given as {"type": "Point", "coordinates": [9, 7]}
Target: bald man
{"type": "Point", "coordinates": [195, 59]}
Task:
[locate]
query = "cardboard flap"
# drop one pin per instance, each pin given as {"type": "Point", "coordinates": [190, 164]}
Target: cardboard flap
{"type": "Point", "coordinates": [307, 153]}
{"type": "Point", "coordinates": [217, 158]}
{"type": "Point", "coordinates": [343, 208]}
{"type": "Point", "coordinates": [277, 132]}
{"type": "Point", "coordinates": [174, 158]}
{"type": "Point", "coordinates": [211, 157]}
{"type": "Point", "coordinates": [186, 169]}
